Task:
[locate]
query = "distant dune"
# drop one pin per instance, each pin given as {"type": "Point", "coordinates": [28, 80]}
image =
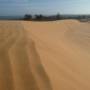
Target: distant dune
{"type": "Point", "coordinates": [44, 55]}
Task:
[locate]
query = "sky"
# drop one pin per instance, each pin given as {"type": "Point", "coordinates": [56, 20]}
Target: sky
{"type": "Point", "coordinates": [21, 7]}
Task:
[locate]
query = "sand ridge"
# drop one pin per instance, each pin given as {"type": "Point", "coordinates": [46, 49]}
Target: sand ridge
{"type": "Point", "coordinates": [18, 59]}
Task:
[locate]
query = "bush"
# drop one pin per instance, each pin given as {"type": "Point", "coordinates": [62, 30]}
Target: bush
{"type": "Point", "coordinates": [27, 17]}
{"type": "Point", "coordinates": [39, 17]}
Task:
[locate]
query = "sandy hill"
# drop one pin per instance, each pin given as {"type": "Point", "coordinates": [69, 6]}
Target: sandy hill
{"type": "Point", "coordinates": [44, 55]}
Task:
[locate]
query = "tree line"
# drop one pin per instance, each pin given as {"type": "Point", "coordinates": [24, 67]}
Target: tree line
{"type": "Point", "coordinates": [40, 17]}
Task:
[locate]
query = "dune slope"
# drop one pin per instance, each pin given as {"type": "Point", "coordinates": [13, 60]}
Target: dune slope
{"type": "Point", "coordinates": [20, 65]}
{"type": "Point", "coordinates": [64, 49]}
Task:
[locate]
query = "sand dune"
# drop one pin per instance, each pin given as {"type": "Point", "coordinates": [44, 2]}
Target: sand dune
{"type": "Point", "coordinates": [44, 55]}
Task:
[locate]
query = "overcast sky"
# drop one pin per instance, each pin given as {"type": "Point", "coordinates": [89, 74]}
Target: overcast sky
{"type": "Point", "coordinates": [21, 7]}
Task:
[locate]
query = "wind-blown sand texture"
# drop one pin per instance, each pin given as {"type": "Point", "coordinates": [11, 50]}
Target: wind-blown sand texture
{"type": "Point", "coordinates": [44, 55]}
